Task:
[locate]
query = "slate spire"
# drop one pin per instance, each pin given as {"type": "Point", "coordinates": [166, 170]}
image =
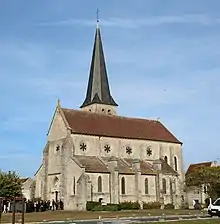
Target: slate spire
{"type": "Point", "coordinates": [98, 90]}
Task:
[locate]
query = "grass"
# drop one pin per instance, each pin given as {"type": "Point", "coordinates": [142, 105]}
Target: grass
{"type": "Point", "coordinates": [73, 215]}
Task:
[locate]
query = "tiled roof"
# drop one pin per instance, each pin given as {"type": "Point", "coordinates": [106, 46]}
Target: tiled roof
{"type": "Point", "coordinates": [192, 167]}
{"type": "Point", "coordinates": [124, 168]}
{"type": "Point", "coordinates": [145, 167]}
{"type": "Point", "coordinates": [82, 122]}
{"type": "Point", "coordinates": [166, 168]}
{"type": "Point", "coordinates": [92, 164]}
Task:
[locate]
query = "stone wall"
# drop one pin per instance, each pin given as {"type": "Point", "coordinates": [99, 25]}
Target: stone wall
{"type": "Point", "coordinates": [39, 177]}
{"type": "Point", "coordinates": [95, 146]}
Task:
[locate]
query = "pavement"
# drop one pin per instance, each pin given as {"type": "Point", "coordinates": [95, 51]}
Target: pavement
{"type": "Point", "coordinates": [129, 220]}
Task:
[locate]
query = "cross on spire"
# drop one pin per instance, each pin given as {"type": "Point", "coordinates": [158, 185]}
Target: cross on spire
{"type": "Point", "coordinates": [97, 15]}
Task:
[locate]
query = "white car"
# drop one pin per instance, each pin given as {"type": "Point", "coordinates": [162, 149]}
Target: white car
{"type": "Point", "coordinates": [214, 208]}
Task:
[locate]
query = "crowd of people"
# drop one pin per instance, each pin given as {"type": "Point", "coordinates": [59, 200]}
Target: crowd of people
{"type": "Point", "coordinates": [32, 206]}
{"type": "Point", "coordinates": [42, 206]}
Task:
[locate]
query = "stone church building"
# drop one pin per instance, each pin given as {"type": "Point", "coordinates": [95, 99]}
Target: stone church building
{"type": "Point", "coordinates": [93, 153]}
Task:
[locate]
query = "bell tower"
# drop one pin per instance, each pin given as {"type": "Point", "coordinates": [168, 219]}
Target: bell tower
{"type": "Point", "coordinates": [98, 97]}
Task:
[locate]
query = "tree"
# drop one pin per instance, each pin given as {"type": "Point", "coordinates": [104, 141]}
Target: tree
{"type": "Point", "coordinates": [10, 184]}
{"type": "Point", "coordinates": [207, 178]}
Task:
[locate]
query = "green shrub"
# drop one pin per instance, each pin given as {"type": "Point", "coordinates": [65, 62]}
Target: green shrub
{"type": "Point", "coordinates": [90, 205]}
{"type": "Point", "coordinates": [128, 205]}
{"type": "Point", "coordinates": [110, 207]}
{"type": "Point", "coordinates": [151, 205]}
{"type": "Point", "coordinates": [169, 206]}
{"type": "Point", "coordinates": [97, 208]}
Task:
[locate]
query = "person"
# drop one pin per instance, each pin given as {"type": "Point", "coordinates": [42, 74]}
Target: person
{"type": "Point", "coordinates": [53, 204]}
{"type": "Point", "coordinates": [61, 205]}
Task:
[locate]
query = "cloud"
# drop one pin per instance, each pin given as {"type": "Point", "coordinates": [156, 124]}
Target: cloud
{"type": "Point", "coordinates": [137, 23]}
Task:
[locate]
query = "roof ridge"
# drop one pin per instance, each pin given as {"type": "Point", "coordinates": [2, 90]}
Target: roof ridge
{"type": "Point", "coordinates": [115, 116]}
{"type": "Point", "coordinates": [201, 163]}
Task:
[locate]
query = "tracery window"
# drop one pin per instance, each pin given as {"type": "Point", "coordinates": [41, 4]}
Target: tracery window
{"type": "Point", "coordinates": [149, 151]}
{"type": "Point", "coordinates": [107, 148]}
{"type": "Point", "coordinates": [82, 146]}
{"type": "Point", "coordinates": [57, 148]}
{"type": "Point", "coordinates": [128, 150]}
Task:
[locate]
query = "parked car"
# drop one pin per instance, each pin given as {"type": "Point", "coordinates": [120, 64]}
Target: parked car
{"type": "Point", "coordinates": [214, 208]}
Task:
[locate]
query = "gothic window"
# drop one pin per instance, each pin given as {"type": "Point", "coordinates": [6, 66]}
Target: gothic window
{"type": "Point", "coordinates": [164, 186]}
{"type": "Point", "coordinates": [166, 159]}
{"type": "Point", "coordinates": [122, 185]}
{"type": "Point", "coordinates": [74, 185]}
{"type": "Point", "coordinates": [82, 146]}
{"type": "Point", "coordinates": [55, 181]}
{"type": "Point", "coordinates": [128, 150]}
{"type": "Point", "coordinates": [149, 151]}
{"type": "Point", "coordinates": [146, 186]}
{"type": "Point", "coordinates": [99, 184]}
{"type": "Point", "coordinates": [107, 148]}
{"type": "Point", "coordinates": [175, 163]}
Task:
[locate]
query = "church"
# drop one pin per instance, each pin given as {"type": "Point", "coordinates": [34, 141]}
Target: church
{"type": "Point", "coordinates": [94, 154]}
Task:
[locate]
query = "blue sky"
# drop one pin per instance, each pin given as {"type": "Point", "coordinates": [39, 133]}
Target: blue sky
{"type": "Point", "coordinates": [162, 59]}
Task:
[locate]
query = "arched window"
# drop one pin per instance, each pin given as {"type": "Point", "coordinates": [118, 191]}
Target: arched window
{"type": "Point", "coordinates": [174, 185]}
{"type": "Point", "coordinates": [175, 163]}
{"type": "Point", "coordinates": [122, 185]}
{"type": "Point", "coordinates": [166, 159]}
{"type": "Point", "coordinates": [146, 186]}
{"type": "Point", "coordinates": [99, 184]}
{"type": "Point", "coordinates": [164, 186]}
{"type": "Point", "coordinates": [74, 185]}
{"type": "Point", "coordinates": [171, 187]}
{"type": "Point", "coordinates": [55, 181]}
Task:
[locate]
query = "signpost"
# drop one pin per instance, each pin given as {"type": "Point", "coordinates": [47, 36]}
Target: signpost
{"type": "Point", "coordinates": [1, 200]}
{"type": "Point", "coordinates": [13, 201]}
